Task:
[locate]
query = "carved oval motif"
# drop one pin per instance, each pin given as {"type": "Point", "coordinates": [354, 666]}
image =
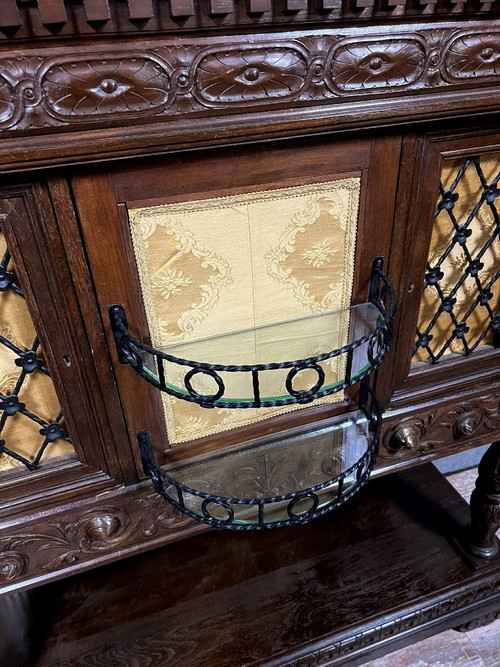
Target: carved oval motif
{"type": "Point", "coordinates": [101, 87]}
{"type": "Point", "coordinates": [359, 67]}
{"type": "Point", "coordinates": [252, 75]}
{"type": "Point", "coordinates": [473, 56]}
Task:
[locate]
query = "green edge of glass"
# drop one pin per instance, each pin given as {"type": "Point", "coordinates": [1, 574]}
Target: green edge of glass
{"type": "Point", "coordinates": [263, 401]}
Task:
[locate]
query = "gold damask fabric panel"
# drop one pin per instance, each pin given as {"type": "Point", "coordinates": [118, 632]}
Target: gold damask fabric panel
{"type": "Point", "coordinates": [215, 266]}
{"type": "Point", "coordinates": [19, 433]}
{"type": "Point", "coordinates": [467, 197]}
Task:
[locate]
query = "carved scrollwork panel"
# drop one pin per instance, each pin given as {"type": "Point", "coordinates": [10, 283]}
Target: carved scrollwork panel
{"type": "Point", "coordinates": [358, 66]}
{"type": "Point", "coordinates": [236, 76]}
{"type": "Point", "coordinates": [420, 434]}
{"type": "Point", "coordinates": [473, 56]}
{"type": "Point", "coordinates": [59, 543]}
{"type": "Point", "coordinates": [105, 86]}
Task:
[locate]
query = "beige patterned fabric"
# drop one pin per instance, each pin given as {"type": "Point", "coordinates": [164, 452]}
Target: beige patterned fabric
{"type": "Point", "coordinates": [20, 433]}
{"type": "Point", "coordinates": [469, 192]}
{"type": "Point", "coordinates": [216, 266]}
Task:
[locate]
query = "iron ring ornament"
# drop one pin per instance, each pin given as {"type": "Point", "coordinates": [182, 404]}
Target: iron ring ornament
{"type": "Point", "coordinates": [259, 513]}
{"type": "Point", "coordinates": [132, 351]}
{"type": "Point", "coordinates": [303, 504]}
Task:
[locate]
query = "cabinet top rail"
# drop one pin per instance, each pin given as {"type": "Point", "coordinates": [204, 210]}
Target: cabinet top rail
{"type": "Point", "coordinates": [66, 18]}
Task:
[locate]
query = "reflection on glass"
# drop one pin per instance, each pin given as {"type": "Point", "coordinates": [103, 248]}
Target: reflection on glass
{"type": "Point", "coordinates": [288, 341]}
{"type": "Point", "coordinates": [272, 469]}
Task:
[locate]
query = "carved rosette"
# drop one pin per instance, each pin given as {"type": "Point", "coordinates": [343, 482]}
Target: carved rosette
{"type": "Point", "coordinates": [82, 88]}
{"type": "Point", "coordinates": [12, 565]}
{"type": "Point", "coordinates": [473, 56]}
{"type": "Point", "coordinates": [361, 66]}
{"type": "Point", "coordinates": [234, 76]}
{"type": "Point", "coordinates": [418, 435]}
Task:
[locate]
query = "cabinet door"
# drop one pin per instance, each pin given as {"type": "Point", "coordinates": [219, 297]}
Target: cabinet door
{"type": "Point", "coordinates": [55, 440]}
{"type": "Point", "coordinates": [201, 244]}
{"type": "Point", "coordinates": [447, 355]}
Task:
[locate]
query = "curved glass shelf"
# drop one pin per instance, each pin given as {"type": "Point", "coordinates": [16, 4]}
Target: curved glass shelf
{"type": "Point", "coordinates": [249, 369]}
{"type": "Point", "coordinates": [276, 481]}
{"type": "Point", "coordinates": [289, 480]}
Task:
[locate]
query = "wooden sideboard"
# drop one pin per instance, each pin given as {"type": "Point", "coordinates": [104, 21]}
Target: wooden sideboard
{"type": "Point", "coordinates": [109, 107]}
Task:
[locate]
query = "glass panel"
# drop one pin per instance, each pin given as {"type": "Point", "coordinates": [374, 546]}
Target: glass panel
{"type": "Point", "coordinates": [213, 266]}
{"type": "Point", "coordinates": [460, 304]}
{"type": "Point", "coordinates": [31, 422]}
{"type": "Point", "coordinates": [276, 468]}
{"type": "Point", "coordinates": [287, 341]}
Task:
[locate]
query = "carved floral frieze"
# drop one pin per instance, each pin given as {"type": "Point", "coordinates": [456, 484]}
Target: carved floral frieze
{"type": "Point", "coordinates": [196, 79]}
{"type": "Point", "coordinates": [473, 56]}
{"type": "Point", "coordinates": [236, 76]}
{"type": "Point", "coordinates": [48, 546]}
{"type": "Point", "coordinates": [424, 432]}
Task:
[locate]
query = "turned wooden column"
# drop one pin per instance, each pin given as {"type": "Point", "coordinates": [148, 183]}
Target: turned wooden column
{"type": "Point", "coordinates": [485, 506]}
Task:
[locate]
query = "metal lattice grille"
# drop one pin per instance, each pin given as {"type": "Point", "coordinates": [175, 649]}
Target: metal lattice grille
{"type": "Point", "coordinates": [461, 296]}
{"type": "Point", "coordinates": [30, 416]}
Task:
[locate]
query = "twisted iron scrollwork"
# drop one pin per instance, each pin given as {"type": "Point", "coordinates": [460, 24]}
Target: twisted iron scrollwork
{"type": "Point", "coordinates": [132, 352]}
{"type": "Point", "coordinates": [255, 509]}
{"type": "Point", "coordinates": [224, 512]}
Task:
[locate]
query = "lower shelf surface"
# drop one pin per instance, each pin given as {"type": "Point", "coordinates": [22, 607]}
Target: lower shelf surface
{"type": "Point", "coordinates": [379, 575]}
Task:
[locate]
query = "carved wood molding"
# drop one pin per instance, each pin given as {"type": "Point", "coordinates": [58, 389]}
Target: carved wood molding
{"type": "Point", "coordinates": [429, 430]}
{"type": "Point", "coordinates": [479, 622]}
{"type": "Point", "coordinates": [60, 89]}
{"type": "Point", "coordinates": [125, 522]}
{"type": "Point", "coordinates": [428, 613]}
{"type": "Point", "coordinates": [64, 18]}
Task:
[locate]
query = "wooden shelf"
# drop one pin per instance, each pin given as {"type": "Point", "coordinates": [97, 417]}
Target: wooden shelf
{"type": "Point", "coordinates": [378, 575]}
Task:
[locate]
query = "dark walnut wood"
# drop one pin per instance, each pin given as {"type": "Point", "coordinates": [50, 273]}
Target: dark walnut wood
{"type": "Point", "coordinates": [485, 506]}
{"type": "Point", "coordinates": [211, 90]}
{"type": "Point", "coordinates": [319, 594]}
{"type": "Point", "coordinates": [110, 102]}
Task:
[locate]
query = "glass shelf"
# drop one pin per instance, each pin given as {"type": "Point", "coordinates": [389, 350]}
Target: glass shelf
{"type": "Point", "coordinates": [283, 480]}
{"type": "Point", "coordinates": [275, 365]}
{"type": "Point", "coordinates": [304, 338]}
{"type": "Point", "coordinates": [277, 482]}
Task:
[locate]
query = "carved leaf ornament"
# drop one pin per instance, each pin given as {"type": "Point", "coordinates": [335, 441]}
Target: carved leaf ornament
{"type": "Point", "coordinates": [191, 78]}
{"type": "Point", "coordinates": [108, 86]}
{"type": "Point", "coordinates": [377, 64]}
{"type": "Point", "coordinates": [420, 434]}
{"type": "Point", "coordinates": [473, 56]}
{"type": "Point", "coordinates": [230, 77]}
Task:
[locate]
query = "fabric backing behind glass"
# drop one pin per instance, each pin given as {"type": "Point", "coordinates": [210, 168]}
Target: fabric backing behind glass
{"type": "Point", "coordinates": [214, 266]}
{"type": "Point", "coordinates": [21, 434]}
{"type": "Point", "coordinates": [469, 190]}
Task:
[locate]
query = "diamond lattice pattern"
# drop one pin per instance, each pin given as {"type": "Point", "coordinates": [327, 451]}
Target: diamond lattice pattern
{"type": "Point", "coordinates": [31, 421]}
{"type": "Point", "coordinates": [460, 303]}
